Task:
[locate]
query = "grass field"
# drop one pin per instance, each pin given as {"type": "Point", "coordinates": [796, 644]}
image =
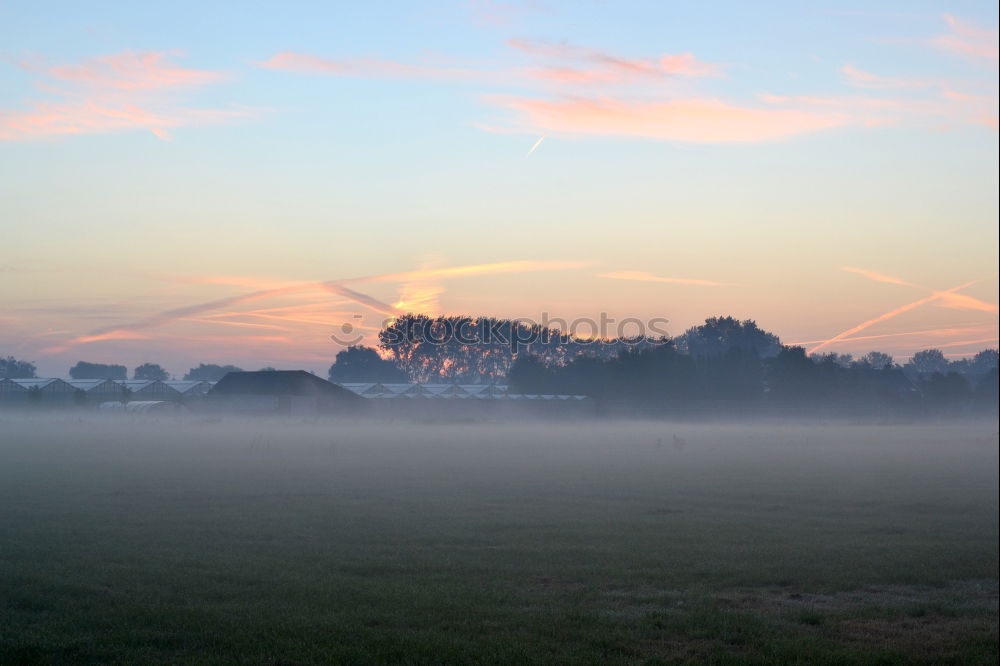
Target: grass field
{"type": "Point", "coordinates": [140, 541]}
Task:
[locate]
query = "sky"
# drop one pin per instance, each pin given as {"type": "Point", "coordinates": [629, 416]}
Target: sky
{"type": "Point", "coordinates": [235, 183]}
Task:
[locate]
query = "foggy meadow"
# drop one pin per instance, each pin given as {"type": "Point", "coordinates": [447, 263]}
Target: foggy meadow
{"type": "Point", "coordinates": [288, 540]}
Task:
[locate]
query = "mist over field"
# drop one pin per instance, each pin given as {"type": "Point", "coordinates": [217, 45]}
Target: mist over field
{"type": "Point", "coordinates": [129, 539]}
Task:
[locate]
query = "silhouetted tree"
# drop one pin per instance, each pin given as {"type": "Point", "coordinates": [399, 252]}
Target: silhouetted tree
{"type": "Point", "coordinates": [363, 364]}
{"type": "Point", "coordinates": [12, 368]}
{"type": "Point", "coordinates": [877, 360]}
{"type": "Point", "coordinates": [472, 349]}
{"type": "Point", "coordinates": [209, 372]}
{"type": "Point", "coordinates": [793, 377]}
{"type": "Point", "coordinates": [738, 374]}
{"type": "Point", "coordinates": [720, 334]}
{"type": "Point", "coordinates": [946, 391]}
{"type": "Point", "coordinates": [529, 374]}
{"type": "Point", "coordinates": [985, 361]}
{"type": "Point", "coordinates": [150, 371]}
{"type": "Point", "coordinates": [928, 362]}
{"type": "Point", "coordinates": [987, 391]}
{"type": "Point", "coordinates": [84, 370]}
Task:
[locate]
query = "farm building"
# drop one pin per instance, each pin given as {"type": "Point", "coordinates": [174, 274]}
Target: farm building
{"type": "Point", "coordinates": [11, 391]}
{"type": "Point", "coordinates": [498, 392]}
{"type": "Point", "coordinates": [142, 407]}
{"type": "Point", "coordinates": [188, 389]}
{"type": "Point", "coordinates": [282, 391]}
{"type": "Point", "coordinates": [462, 400]}
{"type": "Point", "coordinates": [42, 391]}
{"type": "Point", "coordinates": [146, 389]}
{"type": "Point", "coordinates": [96, 391]}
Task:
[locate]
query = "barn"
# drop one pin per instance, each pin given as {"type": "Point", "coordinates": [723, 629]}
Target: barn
{"type": "Point", "coordinates": [281, 391]}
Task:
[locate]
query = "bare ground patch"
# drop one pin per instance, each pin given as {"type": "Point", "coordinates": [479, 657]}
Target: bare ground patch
{"type": "Point", "coordinates": [920, 637]}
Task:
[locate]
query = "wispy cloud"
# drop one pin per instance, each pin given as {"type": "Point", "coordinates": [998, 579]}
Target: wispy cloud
{"type": "Point", "coordinates": [927, 100]}
{"type": "Point", "coordinates": [493, 13]}
{"type": "Point", "coordinates": [911, 101]}
{"type": "Point", "coordinates": [969, 40]}
{"type": "Point", "coordinates": [860, 78]}
{"type": "Point", "coordinates": [495, 268]}
{"type": "Point", "coordinates": [293, 61]}
{"type": "Point", "coordinates": [877, 277]}
{"type": "Point", "coordinates": [588, 91]}
{"type": "Point", "coordinates": [642, 276]}
{"type": "Point", "coordinates": [419, 293]}
{"type": "Point", "coordinates": [698, 120]}
{"type": "Point", "coordinates": [563, 63]}
{"type": "Point", "coordinates": [933, 334]}
{"type": "Point", "coordinates": [128, 71]}
{"type": "Point", "coordinates": [946, 299]}
{"type": "Point", "coordinates": [113, 93]}
{"type": "Point", "coordinates": [886, 316]}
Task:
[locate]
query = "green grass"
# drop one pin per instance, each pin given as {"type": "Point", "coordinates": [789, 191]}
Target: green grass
{"type": "Point", "coordinates": [271, 542]}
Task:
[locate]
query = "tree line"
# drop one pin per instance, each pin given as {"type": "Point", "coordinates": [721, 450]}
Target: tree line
{"type": "Point", "coordinates": [724, 361]}
{"type": "Point", "coordinates": [12, 368]}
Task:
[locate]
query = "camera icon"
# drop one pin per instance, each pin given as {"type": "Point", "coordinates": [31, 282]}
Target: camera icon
{"type": "Point", "coordinates": [347, 334]}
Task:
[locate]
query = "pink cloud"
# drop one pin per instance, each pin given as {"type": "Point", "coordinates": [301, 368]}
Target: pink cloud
{"type": "Point", "coordinates": [114, 93]}
{"type": "Point", "coordinates": [369, 67]}
{"type": "Point", "coordinates": [492, 13]}
{"type": "Point", "coordinates": [968, 40]}
{"type": "Point", "coordinates": [131, 71]}
{"type": "Point", "coordinates": [576, 65]}
{"type": "Point", "coordinates": [94, 116]}
{"type": "Point", "coordinates": [862, 79]}
{"type": "Point", "coordinates": [661, 102]}
{"type": "Point", "coordinates": [927, 110]}
{"type": "Point", "coordinates": [697, 120]}
{"type": "Point", "coordinates": [643, 276]}
{"type": "Point", "coordinates": [594, 66]}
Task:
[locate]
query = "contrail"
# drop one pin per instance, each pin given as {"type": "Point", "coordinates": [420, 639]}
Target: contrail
{"type": "Point", "coordinates": [537, 143]}
{"type": "Point", "coordinates": [933, 332]}
{"type": "Point", "coordinates": [949, 300]}
{"type": "Point", "coordinates": [878, 277]}
{"type": "Point", "coordinates": [363, 299]}
{"type": "Point", "coordinates": [335, 286]}
{"type": "Point", "coordinates": [642, 276]}
{"type": "Point", "coordinates": [889, 315]}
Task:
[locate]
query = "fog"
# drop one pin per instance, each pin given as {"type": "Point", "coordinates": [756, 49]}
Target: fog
{"type": "Point", "coordinates": [353, 535]}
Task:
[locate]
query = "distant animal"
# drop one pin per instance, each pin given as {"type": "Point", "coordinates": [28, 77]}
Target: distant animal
{"type": "Point", "coordinates": [679, 443]}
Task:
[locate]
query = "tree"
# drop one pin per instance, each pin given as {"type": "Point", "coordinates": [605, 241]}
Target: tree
{"type": "Point", "coordinates": [877, 360]}
{"type": "Point", "coordinates": [984, 361]}
{"type": "Point", "coordinates": [944, 391]}
{"type": "Point", "coordinates": [736, 375]}
{"type": "Point", "coordinates": [928, 362]}
{"type": "Point", "coordinates": [986, 390]}
{"type": "Point", "coordinates": [209, 372]}
{"type": "Point", "coordinates": [793, 377]}
{"type": "Point", "coordinates": [471, 349]}
{"type": "Point", "coordinates": [720, 334]}
{"type": "Point", "coordinates": [150, 371]}
{"type": "Point", "coordinates": [11, 368]}
{"type": "Point", "coordinates": [358, 363]}
{"type": "Point", "coordinates": [85, 370]}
